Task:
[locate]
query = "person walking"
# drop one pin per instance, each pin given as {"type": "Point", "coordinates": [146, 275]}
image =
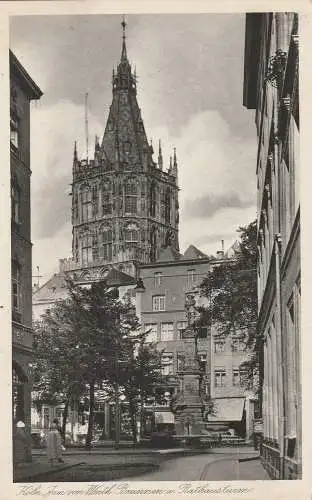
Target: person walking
{"type": "Point", "coordinates": [54, 444]}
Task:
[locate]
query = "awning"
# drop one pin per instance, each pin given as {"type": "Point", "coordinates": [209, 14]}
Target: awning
{"type": "Point", "coordinates": [228, 410]}
{"type": "Point", "coordinates": [164, 417]}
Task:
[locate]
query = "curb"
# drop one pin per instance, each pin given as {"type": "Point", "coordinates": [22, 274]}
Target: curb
{"type": "Point", "coordinates": [249, 459]}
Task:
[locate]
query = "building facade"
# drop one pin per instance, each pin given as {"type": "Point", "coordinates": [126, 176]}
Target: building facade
{"type": "Point", "coordinates": [162, 313]}
{"type": "Point", "coordinates": [271, 88]}
{"type": "Point", "coordinates": [23, 91]}
{"type": "Point", "coordinates": [124, 204]}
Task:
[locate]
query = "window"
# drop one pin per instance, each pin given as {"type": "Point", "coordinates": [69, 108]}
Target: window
{"type": "Point", "coordinates": [157, 279]}
{"type": "Point", "coordinates": [158, 303]}
{"type": "Point", "coordinates": [131, 198]}
{"type": "Point", "coordinates": [238, 344]}
{"type": "Point", "coordinates": [151, 328]}
{"type": "Point", "coordinates": [202, 332]}
{"type": "Point", "coordinates": [153, 243]}
{"type": "Point", "coordinates": [16, 288]}
{"type": "Point", "coordinates": [166, 331]}
{"type": "Point", "coordinates": [14, 132]}
{"type": "Point", "coordinates": [107, 250]}
{"type": "Point", "coordinates": [167, 363]}
{"type": "Point", "coordinates": [131, 234]}
{"type": "Point", "coordinates": [219, 346]}
{"type": "Point", "coordinates": [203, 361]}
{"type": "Point", "coordinates": [180, 361]}
{"type": "Point", "coordinates": [107, 199]}
{"type": "Point", "coordinates": [86, 204]}
{"type": "Point", "coordinates": [153, 200]}
{"type": "Point", "coordinates": [219, 377]}
{"type": "Point", "coordinates": [87, 250]}
{"type": "Point", "coordinates": [167, 206]}
{"type": "Point", "coordinates": [238, 376]}
{"type": "Point", "coordinates": [15, 202]}
{"type": "Point", "coordinates": [190, 277]}
{"type": "Point", "coordinates": [181, 327]}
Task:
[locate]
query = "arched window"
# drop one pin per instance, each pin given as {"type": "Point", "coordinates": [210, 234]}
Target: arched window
{"type": "Point", "coordinates": [131, 234]}
{"type": "Point", "coordinates": [86, 250]}
{"type": "Point", "coordinates": [153, 200]}
{"type": "Point", "coordinates": [107, 244]}
{"type": "Point", "coordinates": [167, 206]}
{"type": "Point", "coordinates": [168, 239]}
{"type": "Point", "coordinates": [86, 204]}
{"type": "Point", "coordinates": [131, 194]}
{"type": "Point", "coordinates": [107, 199]}
{"type": "Point", "coordinates": [16, 291]}
{"type": "Point", "coordinates": [153, 242]}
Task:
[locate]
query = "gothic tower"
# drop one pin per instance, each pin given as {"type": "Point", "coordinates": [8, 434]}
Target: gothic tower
{"type": "Point", "coordinates": [124, 204]}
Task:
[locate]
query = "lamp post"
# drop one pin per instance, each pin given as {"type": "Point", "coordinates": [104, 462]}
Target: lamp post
{"type": "Point", "coordinates": [117, 405]}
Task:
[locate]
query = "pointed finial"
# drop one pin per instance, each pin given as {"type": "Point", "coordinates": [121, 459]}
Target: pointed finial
{"type": "Point", "coordinates": [75, 151]}
{"type": "Point", "coordinates": [170, 164]}
{"type": "Point", "coordinates": [160, 158]}
{"type": "Point", "coordinates": [175, 157]}
{"type": "Point", "coordinates": [124, 50]}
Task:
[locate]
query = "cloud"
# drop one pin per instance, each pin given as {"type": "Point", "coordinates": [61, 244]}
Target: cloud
{"type": "Point", "coordinates": [209, 204]}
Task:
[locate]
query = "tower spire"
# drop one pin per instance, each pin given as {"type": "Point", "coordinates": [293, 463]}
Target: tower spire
{"type": "Point", "coordinates": [175, 163]}
{"type": "Point", "coordinates": [124, 48]}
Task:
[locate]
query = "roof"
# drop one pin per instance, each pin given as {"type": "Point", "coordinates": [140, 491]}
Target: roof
{"type": "Point", "coordinates": [53, 289]}
{"type": "Point", "coordinates": [169, 254]}
{"type": "Point", "coordinates": [118, 278]}
{"type": "Point", "coordinates": [192, 253]}
{"type": "Point", "coordinates": [24, 79]}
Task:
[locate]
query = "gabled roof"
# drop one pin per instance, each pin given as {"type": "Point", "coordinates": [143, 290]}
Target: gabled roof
{"type": "Point", "coordinates": [53, 289]}
{"type": "Point", "coordinates": [192, 253]}
{"type": "Point", "coordinates": [169, 254]}
{"type": "Point", "coordinates": [118, 278]}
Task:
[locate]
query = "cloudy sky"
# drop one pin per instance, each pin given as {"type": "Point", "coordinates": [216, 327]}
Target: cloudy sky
{"type": "Point", "coordinates": [190, 85]}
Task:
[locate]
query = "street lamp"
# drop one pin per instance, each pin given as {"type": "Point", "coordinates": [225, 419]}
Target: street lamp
{"type": "Point", "coordinates": [117, 405]}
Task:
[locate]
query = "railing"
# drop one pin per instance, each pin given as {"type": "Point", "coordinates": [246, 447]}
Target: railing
{"type": "Point", "coordinates": [271, 460]}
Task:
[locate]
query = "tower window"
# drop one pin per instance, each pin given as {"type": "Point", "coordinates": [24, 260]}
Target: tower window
{"type": "Point", "coordinates": [153, 200]}
{"type": "Point", "coordinates": [167, 206]}
{"type": "Point", "coordinates": [87, 253]}
{"type": "Point", "coordinates": [153, 245]}
{"type": "Point", "coordinates": [107, 199]}
{"type": "Point", "coordinates": [131, 234]}
{"type": "Point", "coordinates": [131, 205]}
{"type": "Point", "coordinates": [86, 204]}
{"type": "Point", "coordinates": [107, 246]}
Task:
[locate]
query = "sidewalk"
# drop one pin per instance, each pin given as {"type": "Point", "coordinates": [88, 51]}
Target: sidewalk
{"type": "Point", "coordinates": [246, 469]}
{"type": "Point", "coordinates": [40, 465]}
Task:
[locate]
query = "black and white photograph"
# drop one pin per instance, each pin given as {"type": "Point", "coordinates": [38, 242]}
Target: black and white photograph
{"type": "Point", "coordinates": [155, 247]}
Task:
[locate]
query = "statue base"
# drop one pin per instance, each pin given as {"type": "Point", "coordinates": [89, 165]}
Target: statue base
{"type": "Point", "coordinates": [189, 406]}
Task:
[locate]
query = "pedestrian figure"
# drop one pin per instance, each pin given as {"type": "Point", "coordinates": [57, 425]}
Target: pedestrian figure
{"type": "Point", "coordinates": [54, 444]}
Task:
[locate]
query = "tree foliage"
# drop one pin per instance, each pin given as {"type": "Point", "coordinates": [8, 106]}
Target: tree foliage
{"type": "Point", "coordinates": [89, 338]}
{"type": "Point", "coordinates": [231, 292]}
